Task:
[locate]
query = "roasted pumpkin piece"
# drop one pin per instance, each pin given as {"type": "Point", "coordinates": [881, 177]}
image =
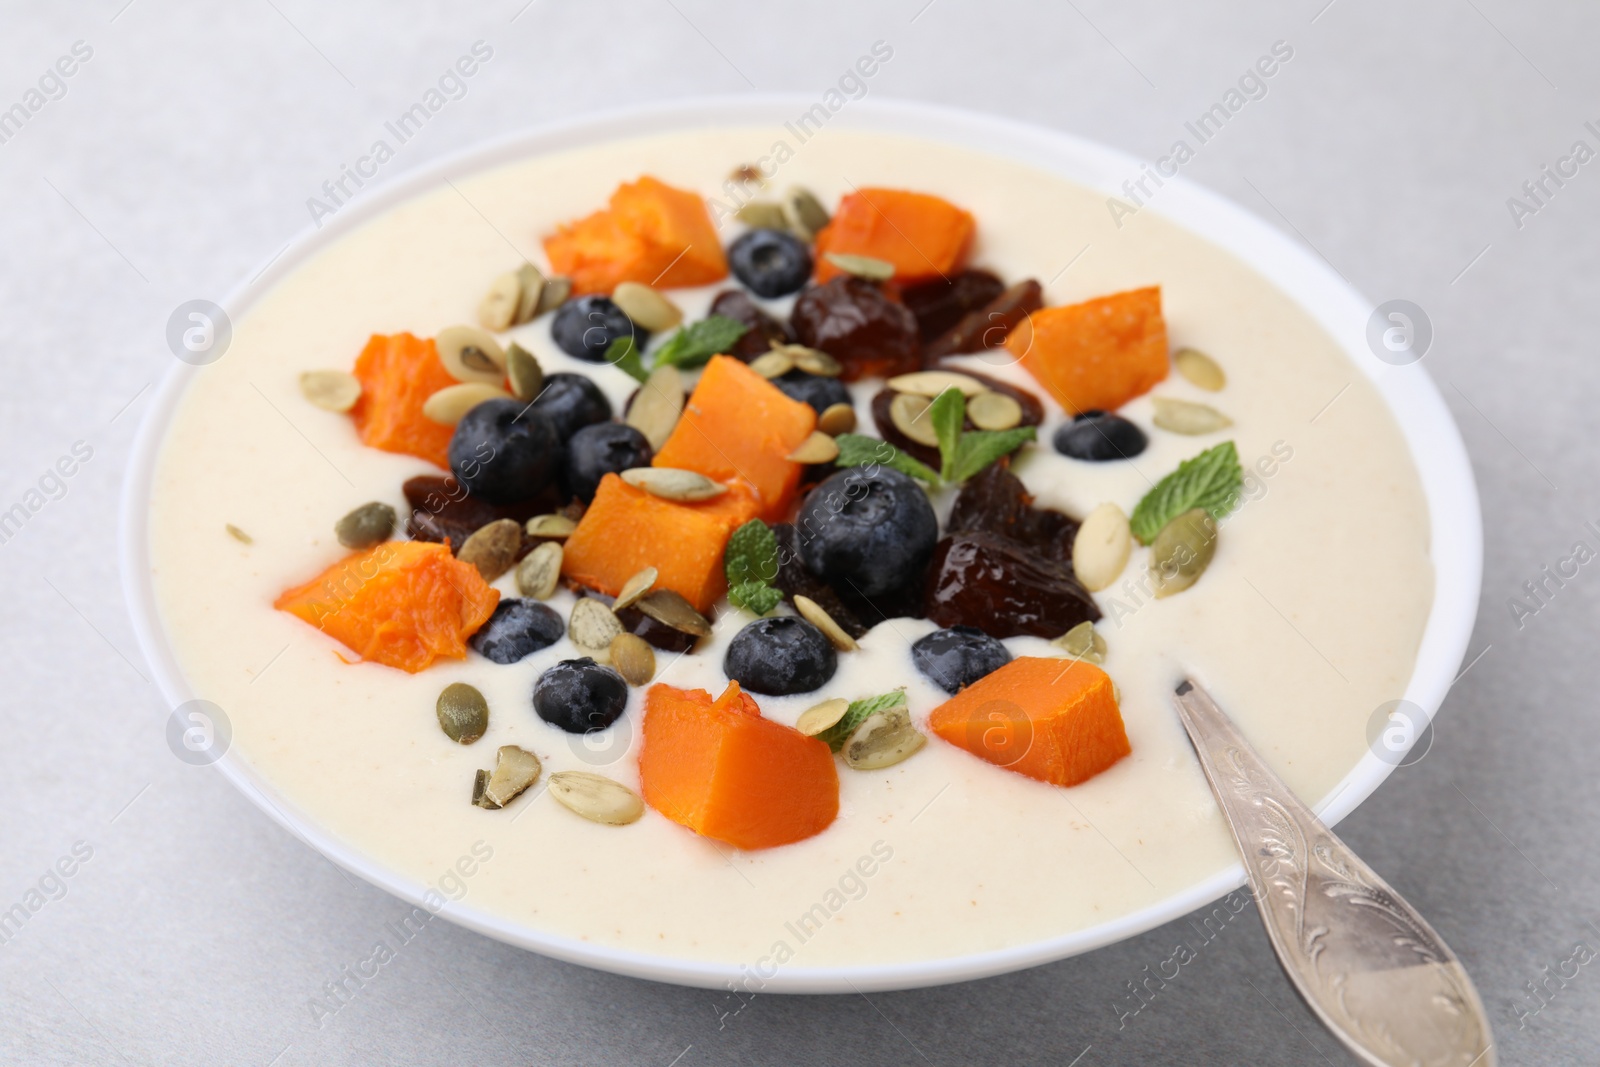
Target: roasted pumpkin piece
{"type": "Point", "coordinates": [650, 233]}
{"type": "Point", "coordinates": [401, 603]}
{"type": "Point", "coordinates": [398, 373]}
{"type": "Point", "coordinates": [921, 235]}
{"type": "Point", "coordinates": [1052, 719]}
{"type": "Point", "coordinates": [722, 770]}
{"type": "Point", "coordinates": [739, 426]}
{"type": "Point", "coordinates": [626, 530]}
{"type": "Point", "coordinates": [1097, 355]}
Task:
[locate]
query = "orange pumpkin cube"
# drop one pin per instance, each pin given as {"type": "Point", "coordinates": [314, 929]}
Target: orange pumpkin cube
{"type": "Point", "coordinates": [1052, 719]}
{"type": "Point", "coordinates": [402, 603]}
{"type": "Point", "coordinates": [1099, 354]}
{"type": "Point", "coordinates": [737, 426]}
{"type": "Point", "coordinates": [626, 530]}
{"type": "Point", "coordinates": [922, 235]}
{"type": "Point", "coordinates": [398, 373]}
{"type": "Point", "coordinates": [721, 769]}
{"type": "Point", "coordinates": [650, 233]}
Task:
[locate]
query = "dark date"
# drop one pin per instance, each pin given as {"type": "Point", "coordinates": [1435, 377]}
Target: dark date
{"type": "Point", "coordinates": [853, 321]}
{"type": "Point", "coordinates": [993, 583]}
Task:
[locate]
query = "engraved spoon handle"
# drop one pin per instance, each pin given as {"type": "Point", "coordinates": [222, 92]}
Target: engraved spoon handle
{"type": "Point", "coordinates": [1365, 962]}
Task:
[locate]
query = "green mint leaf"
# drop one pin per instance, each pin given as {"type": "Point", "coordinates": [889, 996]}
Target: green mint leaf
{"type": "Point", "coordinates": [979, 448]}
{"type": "Point", "coordinates": [948, 414]}
{"type": "Point", "coordinates": [758, 597]}
{"type": "Point", "coordinates": [859, 450]}
{"type": "Point", "coordinates": [1211, 480]}
{"type": "Point", "coordinates": [857, 713]}
{"type": "Point", "coordinates": [693, 345]}
{"type": "Point", "coordinates": [751, 555]}
{"type": "Point", "coordinates": [624, 355]}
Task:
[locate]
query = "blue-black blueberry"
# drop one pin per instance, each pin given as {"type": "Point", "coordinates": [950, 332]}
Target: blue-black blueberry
{"type": "Point", "coordinates": [870, 529]}
{"type": "Point", "coordinates": [504, 451]}
{"type": "Point", "coordinates": [780, 655]}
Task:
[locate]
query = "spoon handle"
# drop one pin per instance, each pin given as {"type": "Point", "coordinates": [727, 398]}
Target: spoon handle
{"type": "Point", "coordinates": [1365, 962]}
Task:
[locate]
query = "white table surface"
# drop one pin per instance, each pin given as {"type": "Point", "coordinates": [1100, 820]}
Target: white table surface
{"type": "Point", "coordinates": [179, 160]}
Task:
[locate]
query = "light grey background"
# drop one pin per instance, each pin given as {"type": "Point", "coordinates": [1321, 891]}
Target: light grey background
{"type": "Point", "coordinates": [179, 161]}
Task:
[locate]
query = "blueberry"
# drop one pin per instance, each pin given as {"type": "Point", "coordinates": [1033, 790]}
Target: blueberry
{"type": "Point", "coordinates": [780, 655]}
{"type": "Point", "coordinates": [869, 528]}
{"type": "Point", "coordinates": [580, 695]}
{"type": "Point", "coordinates": [770, 262]}
{"type": "Point", "coordinates": [585, 326]}
{"type": "Point", "coordinates": [955, 658]}
{"type": "Point", "coordinates": [601, 449]}
{"type": "Point", "coordinates": [821, 393]}
{"type": "Point", "coordinates": [1098, 436]}
{"type": "Point", "coordinates": [518, 628]}
{"type": "Point", "coordinates": [572, 401]}
{"type": "Point", "coordinates": [504, 451]}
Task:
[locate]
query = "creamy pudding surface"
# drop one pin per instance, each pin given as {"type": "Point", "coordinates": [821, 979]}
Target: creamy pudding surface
{"type": "Point", "coordinates": [1308, 619]}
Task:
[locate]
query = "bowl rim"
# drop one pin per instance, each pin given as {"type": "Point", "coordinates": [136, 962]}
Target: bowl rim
{"type": "Point", "coordinates": [1435, 444]}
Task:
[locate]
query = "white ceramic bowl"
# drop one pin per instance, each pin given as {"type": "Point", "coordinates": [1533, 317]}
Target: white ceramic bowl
{"type": "Point", "coordinates": [1435, 443]}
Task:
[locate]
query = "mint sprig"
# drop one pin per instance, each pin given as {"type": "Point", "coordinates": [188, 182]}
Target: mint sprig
{"type": "Point", "coordinates": [695, 344]}
{"type": "Point", "coordinates": [859, 450]}
{"type": "Point", "coordinates": [757, 597]}
{"type": "Point", "coordinates": [964, 454]}
{"type": "Point", "coordinates": [623, 354]}
{"type": "Point", "coordinates": [1212, 480]}
{"type": "Point", "coordinates": [751, 563]}
{"type": "Point", "coordinates": [857, 713]}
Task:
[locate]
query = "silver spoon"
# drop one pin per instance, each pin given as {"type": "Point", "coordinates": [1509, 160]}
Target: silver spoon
{"type": "Point", "coordinates": [1365, 962]}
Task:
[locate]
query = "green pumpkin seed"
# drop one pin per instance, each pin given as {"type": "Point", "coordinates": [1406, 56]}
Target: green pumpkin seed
{"type": "Point", "coordinates": [774, 364]}
{"type": "Point", "coordinates": [818, 448]}
{"type": "Point", "coordinates": [634, 588]}
{"type": "Point", "coordinates": [671, 483]}
{"type": "Point", "coordinates": [527, 377]}
{"type": "Point", "coordinates": [1100, 550]}
{"type": "Point", "coordinates": [330, 390]}
{"type": "Point", "coordinates": [492, 548]}
{"type": "Point", "coordinates": [1187, 417]}
{"type": "Point", "coordinates": [555, 293]}
{"type": "Point", "coordinates": [869, 267]}
{"type": "Point", "coordinates": [540, 570]}
{"type": "Point", "coordinates": [238, 534]}
{"type": "Point", "coordinates": [633, 658]}
{"type": "Point", "coordinates": [515, 770]}
{"type": "Point", "coordinates": [593, 626]}
{"type": "Point", "coordinates": [909, 414]}
{"type": "Point", "coordinates": [1200, 369]}
{"type": "Point", "coordinates": [449, 405]}
{"type": "Point", "coordinates": [1182, 551]}
{"type": "Point", "coordinates": [596, 797]}
{"type": "Point", "coordinates": [814, 720]}
{"type": "Point", "coordinates": [498, 309]}
{"type": "Point", "coordinates": [804, 212]}
{"type": "Point", "coordinates": [1083, 642]}
{"type": "Point", "coordinates": [884, 739]}
{"type": "Point", "coordinates": [531, 283]}
{"type": "Point", "coordinates": [930, 383]}
{"type": "Point", "coordinates": [671, 609]}
{"type": "Point", "coordinates": [837, 419]}
{"type": "Point", "coordinates": [762, 215]}
{"type": "Point", "coordinates": [646, 306]}
{"type": "Point", "coordinates": [555, 527]}
{"type": "Point", "coordinates": [463, 713]}
{"type": "Point", "coordinates": [471, 354]}
{"type": "Point", "coordinates": [368, 525]}
{"type": "Point", "coordinates": [480, 788]}
{"type": "Point", "coordinates": [658, 405]}
{"type": "Point", "coordinates": [817, 616]}
{"type": "Point", "coordinates": [994, 411]}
